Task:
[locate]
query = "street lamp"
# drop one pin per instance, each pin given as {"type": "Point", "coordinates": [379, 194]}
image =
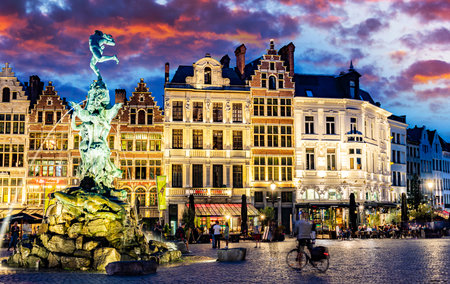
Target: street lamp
{"type": "Point", "coordinates": [273, 186]}
{"type": "Point", "coordinates": [430, 185]}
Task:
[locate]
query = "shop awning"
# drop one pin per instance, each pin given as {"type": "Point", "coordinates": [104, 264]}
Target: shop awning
{"type": "Point", "coordinates": [223, 210]}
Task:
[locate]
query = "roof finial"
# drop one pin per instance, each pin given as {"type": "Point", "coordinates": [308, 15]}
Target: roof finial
{"type": "Point", "coordinates": [351, 66]}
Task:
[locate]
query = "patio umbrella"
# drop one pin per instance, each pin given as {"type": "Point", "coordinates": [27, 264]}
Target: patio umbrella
{"type": "Point", "coordinates": [191, 211]}
{"type": "Point", "coordinates": [244, 215]}
{"type": "Point", "coordinates": [352, 212]}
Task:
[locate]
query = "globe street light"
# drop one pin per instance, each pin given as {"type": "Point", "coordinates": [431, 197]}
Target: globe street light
{"type": "Point", "coordinates": [430, 185]}
{"type": "Point", "coordinates": [273, 186]}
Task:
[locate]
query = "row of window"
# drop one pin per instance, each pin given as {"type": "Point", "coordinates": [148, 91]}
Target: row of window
{"type": "Point", "coordinates": [49, 116]}
{"type": "Point", "coordinates": [272, 168]}
{"type": "Point", "coordinates": [47, 168]}
{"type": "Point", "coordinates": [197, 112]}
{"type": "Point", "coordinates": [11, 155]}
{"type": "Point", "coordinates": [272, 136]}
{"type": "Point", "coordinates": [217, 176]}
{"type": "Point", "coordinates": [442, 166]}
{"type": "Point", "coordinates": [197, 139]}
{"type": "Point", "coordinates": [398, 179]}
{"type": "Point", "coordinates": [50, 141]}
{"type": "Point", "coordinates": [141, 117]}
{"type": "Point", "coordinates": [397, 157]}
{"type": "Point", "coordinates": [12, 123]}
{"type": "Point", "coordinates": [272, 107]}
{"type": "Point", "coordinates": [139, 142]}
{"type": "Point", "coordinates": [397, 138]}
{"type": "Point", "coordinates": [355, 160]}
{"type": "Point", "coordinates": [286, 196]}
{"type": "Point", "coordinates": [11, 190]}
{"type": "Point", "coordinates": [140, 169]}
{"type": "Point", "coordinates": [270, 81]}
{"type": "Point", "coordinates": [412, 168]}
{"type": "Point", "coordinates": [413, 152]}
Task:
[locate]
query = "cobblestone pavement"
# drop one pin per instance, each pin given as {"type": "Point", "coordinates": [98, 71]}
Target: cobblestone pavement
{"type": "Point", "coordinates": [355, 261]}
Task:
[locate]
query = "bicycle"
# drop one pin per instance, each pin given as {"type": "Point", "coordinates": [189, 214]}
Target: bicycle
{"type": "Point", "coordinates": [297, 259]}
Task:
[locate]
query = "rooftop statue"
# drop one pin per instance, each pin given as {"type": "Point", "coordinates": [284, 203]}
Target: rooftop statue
{"type": "Point", "coordinates": [97, 43]}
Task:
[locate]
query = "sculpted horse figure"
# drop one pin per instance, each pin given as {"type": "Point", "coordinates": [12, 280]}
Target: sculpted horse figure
{"type": "Point", "coordinates": [97, 43]}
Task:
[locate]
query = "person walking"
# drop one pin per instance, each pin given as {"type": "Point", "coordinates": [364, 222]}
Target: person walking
{"type": "Point", "coordinates": [257, 235]}
{"type": "Point", "coordinates": [14, 234]}
{"type": "Point", "coordinates": [181, 235]}
{"type": "Point", "coordinates": [211, 233]}
{"type": "Point", "coordinates": [216, 230]}
{"type": "Point", "coordinates": [226, 234]}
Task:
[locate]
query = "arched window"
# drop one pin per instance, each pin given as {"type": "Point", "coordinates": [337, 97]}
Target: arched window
{"type": "Point", "coordinates": [128, 194]}
{"type": "Point", "coordinates": [208, 76]}
{"type": "Point", "coordinates": [153, 198]}
{"type": "Point", "coordinates": [272, 83]}
{"type": "Point", "coordinates": [140, 194]}
{"type": "Point", "coordinates": [141, 117]}
{"type": "Point", "coordinates": [6, 95]}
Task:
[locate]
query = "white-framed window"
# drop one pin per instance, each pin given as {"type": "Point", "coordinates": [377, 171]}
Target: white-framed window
{"type": "Point", "coordinates": [355, 159]}
{"type": "Point", "coordinates": [310, 162]}
{"type": "Point", "coordinates": [331, 159]}
{"type": "Point", "coordinates": [309, 124]}
{"type": "Point", "coordinates": [330, 125]}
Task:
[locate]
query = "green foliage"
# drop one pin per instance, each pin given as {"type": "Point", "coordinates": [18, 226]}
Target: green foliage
{"type": "Point", "coordinates": [166, 230]}
{"type": "Point", "coordinates": [188, 218]}
{"type": "Point", "coordinates": [424, 212]}
{"type": "Point", "coordinates": [269, 214]}
{"type": "Point", "coordinates": [375, 220]}
{"type": "Point", "coordinates": [415, 196]}
{"type": "Point", "coordinates": [394, 218]}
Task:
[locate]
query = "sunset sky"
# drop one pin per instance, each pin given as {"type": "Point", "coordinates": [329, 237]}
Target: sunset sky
{"type": "Point", "coordinates": [402, 48]}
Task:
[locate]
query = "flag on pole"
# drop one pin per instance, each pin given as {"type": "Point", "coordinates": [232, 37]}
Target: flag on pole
{"type": "Point", "coordinates": [161, 187]}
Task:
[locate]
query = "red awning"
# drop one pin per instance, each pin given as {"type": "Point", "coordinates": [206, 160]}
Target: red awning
{"type": "Point", "coordinates": [223, 210]}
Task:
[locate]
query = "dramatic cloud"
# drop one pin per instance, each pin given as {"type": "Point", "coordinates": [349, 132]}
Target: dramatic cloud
{"type": "Point", "coordinates": [399, 47]}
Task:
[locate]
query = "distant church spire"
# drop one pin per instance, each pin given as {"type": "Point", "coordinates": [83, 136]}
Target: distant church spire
{"type": "Point", "coordinates": [351, 66]}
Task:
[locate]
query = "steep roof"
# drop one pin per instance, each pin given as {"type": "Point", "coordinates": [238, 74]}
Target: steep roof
{"type": "Point", "coordinates": [431, 136]}
{"type": "Point", "coordinates": [183, 71]}
{"type": "Point", "coordinates": [445, 145]}
{"type": "Point", "coordinates": [324, 86]}
{"type": "Point", "coordinates": [415, 134]}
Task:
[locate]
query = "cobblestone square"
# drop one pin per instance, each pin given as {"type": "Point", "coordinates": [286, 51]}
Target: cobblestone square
{"type": "Point", "coordinates": [355, 261]}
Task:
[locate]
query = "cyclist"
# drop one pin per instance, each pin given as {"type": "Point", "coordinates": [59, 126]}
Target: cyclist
{"type": "Point", "coordinates": [305, 231]}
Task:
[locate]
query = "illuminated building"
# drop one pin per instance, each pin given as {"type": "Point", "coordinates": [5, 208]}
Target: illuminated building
{"type": "Point", "coordinates": [272, 155]}
{"type": "Point", "coordinates": [13, 140]}
{"type": "Point", "coordinates": [398, 157]}
{"type": "Point", "coordinates": [207, 138]}
{"type": "Point", "coordinates": [342, 147]}
{"type": "Point", "coordinates": [136, 147]}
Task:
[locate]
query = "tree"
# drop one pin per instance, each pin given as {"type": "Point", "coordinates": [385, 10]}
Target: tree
{"type": "Point", "coordinates": [269, 214]}
{"type": "Point", "coordinates": [423, 213]}
{"type": "Point", "coordinates": [415, 196]}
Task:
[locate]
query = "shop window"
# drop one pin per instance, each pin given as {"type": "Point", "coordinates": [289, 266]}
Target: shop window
{"type": "Point", "coordinates": [139, 196]}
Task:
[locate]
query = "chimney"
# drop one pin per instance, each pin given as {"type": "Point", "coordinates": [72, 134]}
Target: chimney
{"type": "Point", "coordinates": [121, 96]}
{"type": "Point", "coordinates": [166, 73]}
{"type": "Point", "coordinates": [225, 61]}
{"type": "Point", "coordinates": [287, 55]}
{"type": "Point", "coordinates": [240, 59]}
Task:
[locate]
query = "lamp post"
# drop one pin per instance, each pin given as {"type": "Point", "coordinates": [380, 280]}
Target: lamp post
{"type": "Point", "coordinates": [430, 185]}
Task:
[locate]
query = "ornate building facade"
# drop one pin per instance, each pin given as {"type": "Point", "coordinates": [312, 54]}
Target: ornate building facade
{"type": "Point", "coordinates": [206, 137]}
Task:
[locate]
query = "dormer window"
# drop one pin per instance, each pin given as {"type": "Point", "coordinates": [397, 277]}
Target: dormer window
{"type": "Point", "coordinates": [272, 83]}
{"type": "Point", "coordinates": [352, 89]}
{"type": "Point", "coordinates": [207, 76]}
{"type": "Point", "coordinates": [309, 93]}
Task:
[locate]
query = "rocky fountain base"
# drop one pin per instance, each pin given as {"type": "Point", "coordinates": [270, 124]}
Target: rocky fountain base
{"type": "Point", "coordinates": [86, 231]}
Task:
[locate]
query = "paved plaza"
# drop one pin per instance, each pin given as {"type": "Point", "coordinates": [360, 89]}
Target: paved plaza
{"type": "Point", "coordinates": [355, 261]}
